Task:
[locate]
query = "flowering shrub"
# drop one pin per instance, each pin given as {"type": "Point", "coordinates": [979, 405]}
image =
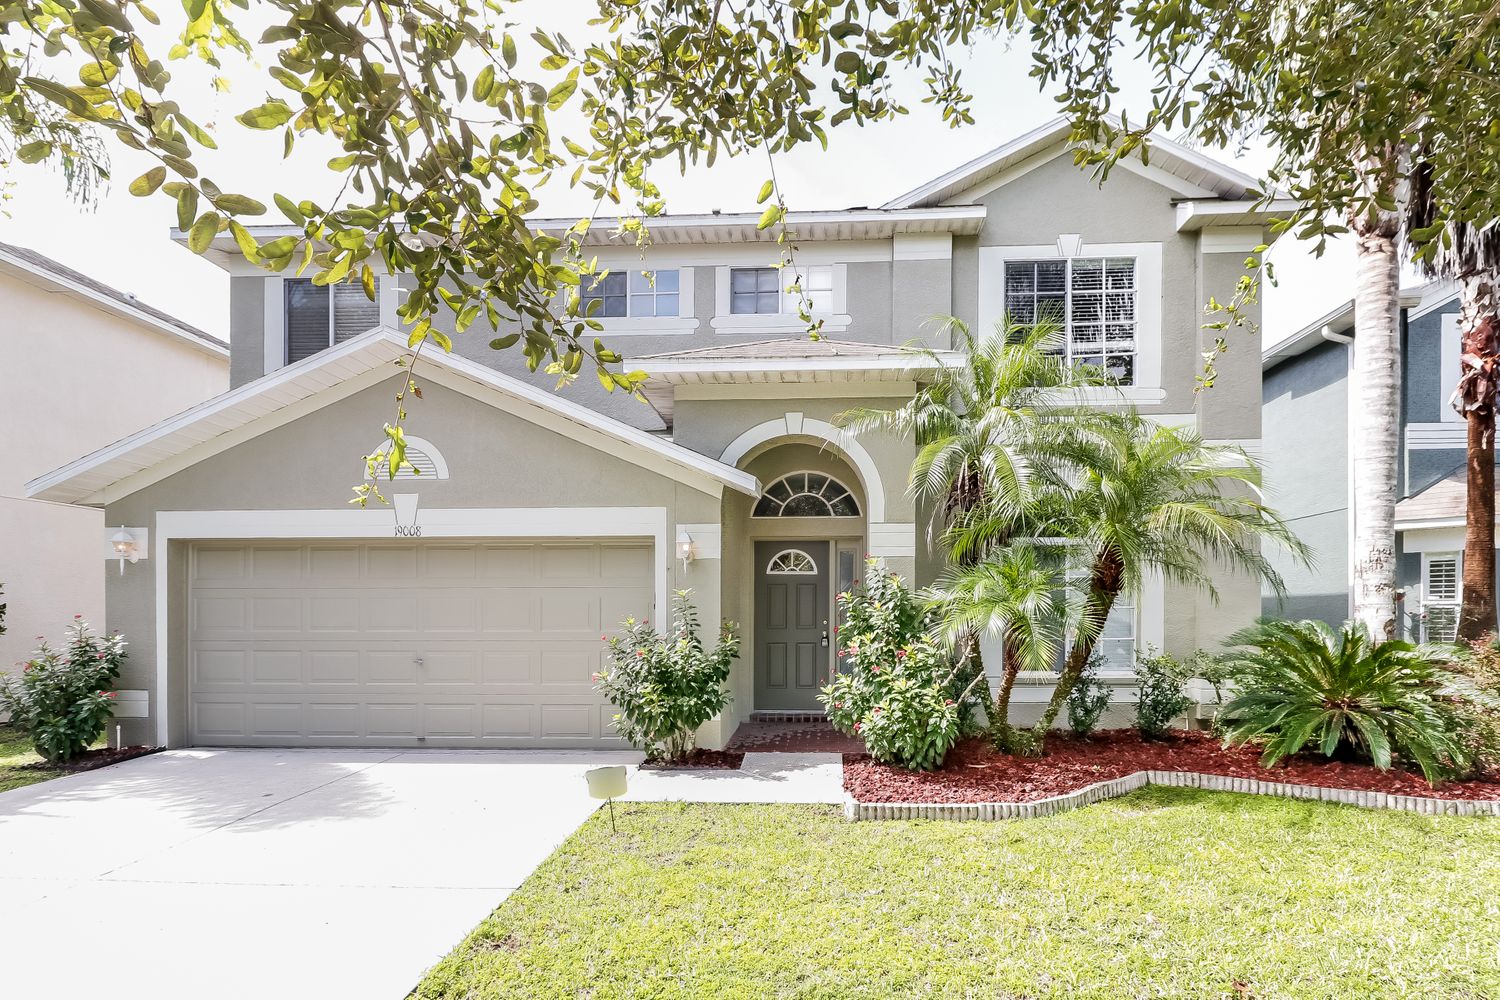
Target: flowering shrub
{"type": "Point", "coordinates": [666, 686]}
{"type": "Point", "coordinates": [894, 685]}
{"type": "Point", "coordinates": [62, 697]}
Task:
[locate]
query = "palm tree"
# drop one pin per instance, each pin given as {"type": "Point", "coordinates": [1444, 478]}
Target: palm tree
{"type": "Point", "coordinates": [1014, 596]}
{"type": "Point", "coordinates": [1469, 255]}
{"type": "Point", "coordinates": [982, 431]}
{"type": "Point", "coordinates": [1146, 499]}
{"type": "Point", "coordinates": [1375, 223]}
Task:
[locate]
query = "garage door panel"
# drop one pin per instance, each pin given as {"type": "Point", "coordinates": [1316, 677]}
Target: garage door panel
{"type": "Point", "coordinates": [319, 643]}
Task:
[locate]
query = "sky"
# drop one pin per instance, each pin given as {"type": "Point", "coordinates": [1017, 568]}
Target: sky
{"type": "Point", "coordinates": [123, 240]}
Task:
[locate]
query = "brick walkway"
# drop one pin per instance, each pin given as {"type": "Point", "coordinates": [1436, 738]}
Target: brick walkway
{"type": "Point", "coordinates": [792, 737]}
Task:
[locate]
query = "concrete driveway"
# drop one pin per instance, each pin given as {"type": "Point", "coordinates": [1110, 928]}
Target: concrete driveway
{"type": "Point", "coordinates": [271, 873]}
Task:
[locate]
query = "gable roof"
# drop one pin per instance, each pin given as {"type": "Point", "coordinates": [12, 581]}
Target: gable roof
{"type": "Point", "coordinates": [217, 424]}
{"type": "Point", "coordinates": [1213, 179]}
{"type": "Point", "coordinates": [1338, 322]}
{"type": "Point", "coordinates": [33, 268]}
{"type": "Point", "coordinates": [1439, 505]}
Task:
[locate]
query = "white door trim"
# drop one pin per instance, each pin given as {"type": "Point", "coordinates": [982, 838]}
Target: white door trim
{"type": "Point", "coordinates": [377, 523]}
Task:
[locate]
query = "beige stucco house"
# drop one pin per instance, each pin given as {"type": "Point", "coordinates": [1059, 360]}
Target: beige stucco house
{"type": "Point", "coordinates": [269, 611]}
{"type": "Point", "coordinates": [85, 366]}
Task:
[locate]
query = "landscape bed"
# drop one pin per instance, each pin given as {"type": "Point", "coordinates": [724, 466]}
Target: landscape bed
{"type": "Point", "coordinates": [974, 772]}
{"type": "Point", "coordinates": [699, 759]}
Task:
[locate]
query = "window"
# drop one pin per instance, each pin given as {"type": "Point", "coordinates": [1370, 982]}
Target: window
{"type": "Point", "coordinates": [763, 290]}
{"type": "Point", "coordinates": [631, 293]}
{"type": "Point", "coordinates": [1093, 299]}
{"type": "Point", "coordinates": [807, 494]}
{"type": "Point", "coordinates": [319, 316]}
{"type": "Point", "coordinates": [1116, 644]}
{"type": "Point", "coordinates": [791, 562]}
{"type": "Point", "coordinates": [1440, 598]}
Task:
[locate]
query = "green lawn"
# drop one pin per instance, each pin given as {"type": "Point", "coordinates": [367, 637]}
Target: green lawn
{"type": "Point", "coordinates": [15, 750]}
{"type": "Point", "coordinates": [1162, 893]}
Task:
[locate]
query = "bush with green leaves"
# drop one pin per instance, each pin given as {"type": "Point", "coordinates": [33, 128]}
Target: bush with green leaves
{"type": "Point", "coordinates": [1304, 686]}
{"type": "Point", "coordinates": [666, 686]}
{"type": "Point", "coordinates": [1161, 685]}
{"type": "Point", "coordinates": [62, 698]}
{"type": "Point", "coordinates": [1088, 700]}
{"type": "Point", "coordinates": [1475, 697]}
{"type": "Point", "coordinates": [895, 686]}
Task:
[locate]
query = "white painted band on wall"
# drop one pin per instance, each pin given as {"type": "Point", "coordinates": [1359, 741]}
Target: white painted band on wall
{"type": "Point", "coordinates": [892, 539]}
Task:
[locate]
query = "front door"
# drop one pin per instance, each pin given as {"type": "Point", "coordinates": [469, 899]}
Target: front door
{"type": "Point", "coordinates": [792, 636]}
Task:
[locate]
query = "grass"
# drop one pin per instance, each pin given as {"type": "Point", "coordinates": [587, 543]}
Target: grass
{"type": "Point", "coordinates": [15, 750]}
{"type": "Point", "coordinates": [1161, 893]}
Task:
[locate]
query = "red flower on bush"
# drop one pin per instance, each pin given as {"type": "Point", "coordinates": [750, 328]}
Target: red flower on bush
{"type": "Point", "coordinates": [900, 654]}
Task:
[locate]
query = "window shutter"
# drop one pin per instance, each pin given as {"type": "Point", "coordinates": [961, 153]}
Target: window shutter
{"type": "Point", "coordinates": [306, 319]}
{"type": "Point", "coordinates": [353, 312]}
{"type": "Point", "coordinates": [1441, 600]}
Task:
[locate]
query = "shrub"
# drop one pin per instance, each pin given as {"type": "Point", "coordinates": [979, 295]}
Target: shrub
{"type": "Point", "coordinates": [1476, 701]}
{"type": "Point", "coordinates": [62, 698]}
{"type": "Point", "coordinates": [666, 686]}
{"type": "Point", "coordinates": [1162, 694]}
{"type": "Point", "coordinates": [1305, 686]}
{"type": "Point", "coordinates": [1088, 699]}
{"type": "Point", "coordinates": [894, 688]}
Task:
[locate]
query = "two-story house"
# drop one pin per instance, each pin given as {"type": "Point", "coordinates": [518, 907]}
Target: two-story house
{"type": "Point", "coordinates": [268, 611]}
{"type": "Point", "coordinates": [1307, 386]}
{"type": "Point", "coordinates": [86, 364]}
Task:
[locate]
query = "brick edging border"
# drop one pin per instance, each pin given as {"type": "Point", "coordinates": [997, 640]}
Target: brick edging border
{"type": "Point", "coordinates": [1115, 787]}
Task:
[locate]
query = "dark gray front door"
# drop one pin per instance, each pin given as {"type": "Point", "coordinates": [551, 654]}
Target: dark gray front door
{"type": "Point", "coordinates": [792, 637]}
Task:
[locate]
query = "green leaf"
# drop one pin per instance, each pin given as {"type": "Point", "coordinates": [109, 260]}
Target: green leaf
{"type": "Point", "coordinates": [246, 242]}
{"type": "Point", "coordinates": [35, 152]}
{"type": "Point", "coordinates": [508, 51]}
{"type": "Point", "coordinates": [504, 343]}
{"type": "Point", "coordinates": [187, 206]}
{"type": "Point", "coordinates": [558, 95]}
{"type": "Point", "coordinates": [271, 114]}
{"type": "Point", "coordinates": [238, 204]}
{"type": "Point", "coordinates": [289, 209]}
{"type": "Point", "coordinates": [484, 84]}
{"type": "Point", "coordinates": [282, 246]}
{"type": "Point", "coordinates": [766, 190]}
{"type": "Point", "coordinates": [769, 217]}
{"type": "Point", "coordinates": [203, 232]}
{"type": "Point", "coordinates": [148, 182]}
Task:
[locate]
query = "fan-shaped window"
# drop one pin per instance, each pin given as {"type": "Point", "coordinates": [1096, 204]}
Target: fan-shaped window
{"type": "Point", "coordinates": [791, 562]}
{"type": "Point", "coordinates": [807, 494]}
{"type": "Point", "coordinates": [425, 461]}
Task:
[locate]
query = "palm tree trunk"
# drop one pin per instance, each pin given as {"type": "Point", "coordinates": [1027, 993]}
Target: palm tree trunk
{"type": "Point", "coordinates": [1104, 588]}
{"type": "Point", "coordinates": [1377, 373]}
{"type": "Point", "coordinates": [1000, 733]}
{"type": "Point", "coordinates": [1475, 399]}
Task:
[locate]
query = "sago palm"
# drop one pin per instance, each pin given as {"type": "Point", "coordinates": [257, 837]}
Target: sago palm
{"type": "Point", "coordinates": [1142, 499]}
{"type": "Point", "coordinates": [1304, 685]}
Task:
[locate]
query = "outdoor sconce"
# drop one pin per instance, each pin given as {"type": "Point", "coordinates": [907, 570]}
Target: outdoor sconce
{"type": "Point", "coordinates": [684, 548]}
{"type": "Point", "coordinates": [124, 544]}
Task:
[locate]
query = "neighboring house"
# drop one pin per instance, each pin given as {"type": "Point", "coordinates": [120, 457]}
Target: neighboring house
{"type": "Point", "coordinates": [85, 365]}
{"type": "Point", "coordinates": [268, 611]}
{"type": "Point", "coordinates": [1307, 439]}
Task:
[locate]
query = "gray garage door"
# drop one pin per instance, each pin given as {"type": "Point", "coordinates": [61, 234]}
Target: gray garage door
{"type": "Point", "coordinates": [490, 644]}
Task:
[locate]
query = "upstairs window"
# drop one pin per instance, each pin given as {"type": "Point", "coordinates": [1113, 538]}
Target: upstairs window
{"type": "Point", "coordinates": [1093, 300]}
{"type": "Point", "coordinates": [763, 290]}
{"type": "Point", "coordinates": [319, 316]}
{"type": "Point", "coordinates": [631, 293]}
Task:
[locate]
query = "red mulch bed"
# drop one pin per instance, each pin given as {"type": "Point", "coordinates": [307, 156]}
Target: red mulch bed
{"type": "Point", "coordinates": [92, 760]}
{"type": "Point", "coordinates": [699, 760]}
{"type": "Point", "coordinates": [974, 772]}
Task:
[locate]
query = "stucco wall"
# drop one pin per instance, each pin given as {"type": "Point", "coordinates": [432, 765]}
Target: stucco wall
{"type": "Point", "coordinates": [1305, 442]}
{"type": "Point", "coordinates": [79, 378]}
{"type": "Point", "coordinates": [247, 329]}
{"type": "Point", "coordinates": [494, 459]}
{"type": "Point", "coordinates": [1231, 408]}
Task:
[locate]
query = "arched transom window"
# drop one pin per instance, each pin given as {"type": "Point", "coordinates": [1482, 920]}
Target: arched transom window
{"type": "Point", "coordinates": [791, 562]}
{"type": "Point", "coordinates": [807, 494]}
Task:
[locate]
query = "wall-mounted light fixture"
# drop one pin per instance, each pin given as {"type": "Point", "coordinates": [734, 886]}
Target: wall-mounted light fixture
{"type": "Point", "coordinates": [684, 548]}
{"type": "Point", "coordinates": [125, 547]}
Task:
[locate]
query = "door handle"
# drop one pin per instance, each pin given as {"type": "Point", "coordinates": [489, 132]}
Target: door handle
{"type": "Point", "coordinates": [825, 635]}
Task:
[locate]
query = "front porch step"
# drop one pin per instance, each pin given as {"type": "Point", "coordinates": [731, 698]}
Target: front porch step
{"type": "Point", "coordinates": [788, 716]}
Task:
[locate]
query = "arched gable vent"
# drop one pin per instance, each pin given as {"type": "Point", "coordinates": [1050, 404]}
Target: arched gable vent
{"type": "Point", "coordinates": [427, 463]}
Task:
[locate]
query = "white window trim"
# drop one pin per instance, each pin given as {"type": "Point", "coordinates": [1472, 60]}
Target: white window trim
{"type": "Point", "coordinates": [372, 524]}
{"type": "Point", "coordinates": [686, 320]}
{"type": "Point", "coordinates": [1148, 310]}
{"type": "Point", "coordinates": [729, 323]}
{"type": "Point", "coordinates": [1451, 350]}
